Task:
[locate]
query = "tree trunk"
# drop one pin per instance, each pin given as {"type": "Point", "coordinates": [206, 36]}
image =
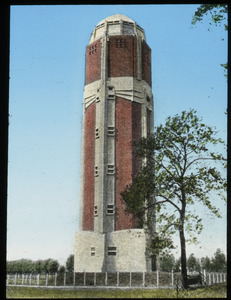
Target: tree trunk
{"type": "Point", "coordinates": [183, 259]}
{"type": "Point", "coordinates": [182, 243]}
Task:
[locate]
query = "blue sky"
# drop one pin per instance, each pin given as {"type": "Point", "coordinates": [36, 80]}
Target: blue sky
{"type": "Point", "coordinates": [47, 64]}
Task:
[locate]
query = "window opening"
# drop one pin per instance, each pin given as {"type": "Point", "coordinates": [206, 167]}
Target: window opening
{"type": "Point", "coordinates": [95, 210]}
{"type": "Point", "coordinates": [111, 169]}
{"type": "Point", "coordinates": [110, 209]}
{"type": "Point", "coordinates": [97, 133]}
{"type": "Point", "coordinates": [111, 130]}
{"type": "Point", "coordinates": [92, 251]}
{"type": "Point", "coordinates": [96, 171]}
{"type": "Point", "coordinates": [111, 96]}
{"type": "Point", "coordinates": [111, 250]}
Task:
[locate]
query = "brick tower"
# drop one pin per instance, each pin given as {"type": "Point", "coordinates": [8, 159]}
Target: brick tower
{"type": "Point", "coordinates": [117, 111]}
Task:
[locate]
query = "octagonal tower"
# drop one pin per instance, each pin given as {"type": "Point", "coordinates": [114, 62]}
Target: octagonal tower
{"type": "Point", "coordinates": [117, 111]}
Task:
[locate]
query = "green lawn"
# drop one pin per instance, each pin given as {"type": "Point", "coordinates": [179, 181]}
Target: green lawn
{"type": "Point", "coordinates": [217, 291]}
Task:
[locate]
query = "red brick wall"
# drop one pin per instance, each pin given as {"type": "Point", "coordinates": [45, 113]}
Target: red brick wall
{"type": "Point", "coordinates": [126, 133]}
{"type": "Point", "coordinates": [146, 63]}
{"type": "Point", "coordinates": [122, 56]}
{"type": "Point", "coordinates": [136, 135]}
{"type": "Point", "coordinates": [89, 161]}
{"type": "Point", "coordinates": [93, 62]}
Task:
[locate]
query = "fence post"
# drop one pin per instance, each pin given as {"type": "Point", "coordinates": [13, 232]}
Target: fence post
{"type": "Point", "coordinates": [30, 279]}
{"type": "Point", "coordinates": [172, 278]}
{"type": "Point", "coordinates": [64, 279]}
{"type": "Point", "coordinates": [205, 280]}
{"type": "Point", "coordinates": [143, 278]}
{"type": "Point", "coordinates": [55, 279]}
{"type": "Point", "coordinates": [38, 277]}
{"type": "Point", "coordinates": [118, 278]}
{"type": "Point", "coordinates": [74, 278]}
{"type": "Point", "coordinates": [22, 279]}
{"type": "Point", "coordinates": [105, 278]}
{"type": "Point", "coordinates": [130, 278]}
{"type": "Point", "coordinates": [7, 279]}
{"type": "Point", "coordinates": [46, 279]}
{"type": "Point", "coordinates": [157, 278]}
{"type": "Point", "coordinates": [95, 279]}
{"type": "Point", "coordinates": [84, 278]}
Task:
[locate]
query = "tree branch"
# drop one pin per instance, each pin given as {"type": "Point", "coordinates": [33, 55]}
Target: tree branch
{"type": "Point", "coordinates": [199, 158]}
{"type": "Point", "coordinates": [169, 201]}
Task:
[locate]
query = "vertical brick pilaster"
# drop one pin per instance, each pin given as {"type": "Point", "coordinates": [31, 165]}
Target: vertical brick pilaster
{"type": "Point", "coordinates": [89, 160]}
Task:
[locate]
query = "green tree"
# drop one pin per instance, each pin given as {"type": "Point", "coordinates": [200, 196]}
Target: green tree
{"type": "Point", "coordinates": [70, 263]}
{"type": "Point", "coordinates": [206, 263]}
{"type": "Point", "coordinates": [219, 263]}
{"type": "Point", "coordinates": [193, 263]}
{"type": "Point", "coordinates": [167, 262]}
{"type": "Point", "coordinates": [53, 266]}
{"type": "Point", "coordinates": [39, 266]}
{"type": "Point", "coordinates": [61, 269]}
{"type": "Point", "coordinates": [185, 170]}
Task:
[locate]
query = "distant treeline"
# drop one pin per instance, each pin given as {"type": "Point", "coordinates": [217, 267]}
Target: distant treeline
{"type": "Point", "coordinates": [49, 265]}
{"type": "Point", "coordinates": [167, 263]}
{"type": "Point", "coordinates": [217, 263]}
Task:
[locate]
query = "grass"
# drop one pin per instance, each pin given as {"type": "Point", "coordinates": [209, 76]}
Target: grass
{"type": "Point", "coordinates": [216, 291]}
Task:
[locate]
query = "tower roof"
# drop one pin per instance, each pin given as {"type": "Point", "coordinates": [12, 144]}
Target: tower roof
{"type": "Point", "coordinates": [116, 17]}
{"type": "Point", "coordinates": [116, 25]}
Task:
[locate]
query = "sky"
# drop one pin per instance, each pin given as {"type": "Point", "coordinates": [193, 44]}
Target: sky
{"type": "Point", "coordinates": [47, 65]}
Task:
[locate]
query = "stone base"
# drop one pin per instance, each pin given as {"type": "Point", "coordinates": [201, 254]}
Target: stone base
{"type": "Point", "coordinates": [123, 251]}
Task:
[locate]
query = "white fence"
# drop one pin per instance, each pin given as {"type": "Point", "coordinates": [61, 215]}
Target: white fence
{"type": "Point", "coordinates": [118, 279]}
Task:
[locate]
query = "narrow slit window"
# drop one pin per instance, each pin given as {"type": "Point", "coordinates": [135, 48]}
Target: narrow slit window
{"type": "Point", "coordinates": [111, 96]}
{"type": "Point", "coordinates": [111, 130]}
{"type": "Point", "coordinates": [111, 250]}
{"type": "Point", "coordinates": [96, 171]}
{"type": "Point", "coordinates": [95, 210]}
{"type": "Point", "coordinates": [110, 209]}
{"type": "Point", "coordinates": [97, 133]}
{"type": "Point", "coordinates": [92, 251]}
{"type": "Point", "coordinates": [111, 169]}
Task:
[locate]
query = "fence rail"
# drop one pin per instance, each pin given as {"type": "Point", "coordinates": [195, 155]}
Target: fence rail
{"type": "Point", "coordinates": [118, 279]}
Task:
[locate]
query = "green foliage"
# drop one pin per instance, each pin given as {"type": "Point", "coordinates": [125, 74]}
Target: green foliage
{"type": "Point", "coordinates": [180, 169]}
{"type": "Point", "coordinates": [29, 266]}
{"type": "Point", "coordinates": [206, 264]}
{"type": "Point", "coordinates": [70, 263]}
{"type": "Point", "coordinates": [193, 263]}
{"type": "Point", "coordinates": [219, 263]}
{"type": "Point", "coordinates": [177, 174]}
{"type": "Point", "coordinates": [61, 269]}
{"type": "Point", "coordinates": [218, 13]}
{"type": "Point", "coordinates": [167, 262]}
{"type": "Point", "coordinates": [160, 243]}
